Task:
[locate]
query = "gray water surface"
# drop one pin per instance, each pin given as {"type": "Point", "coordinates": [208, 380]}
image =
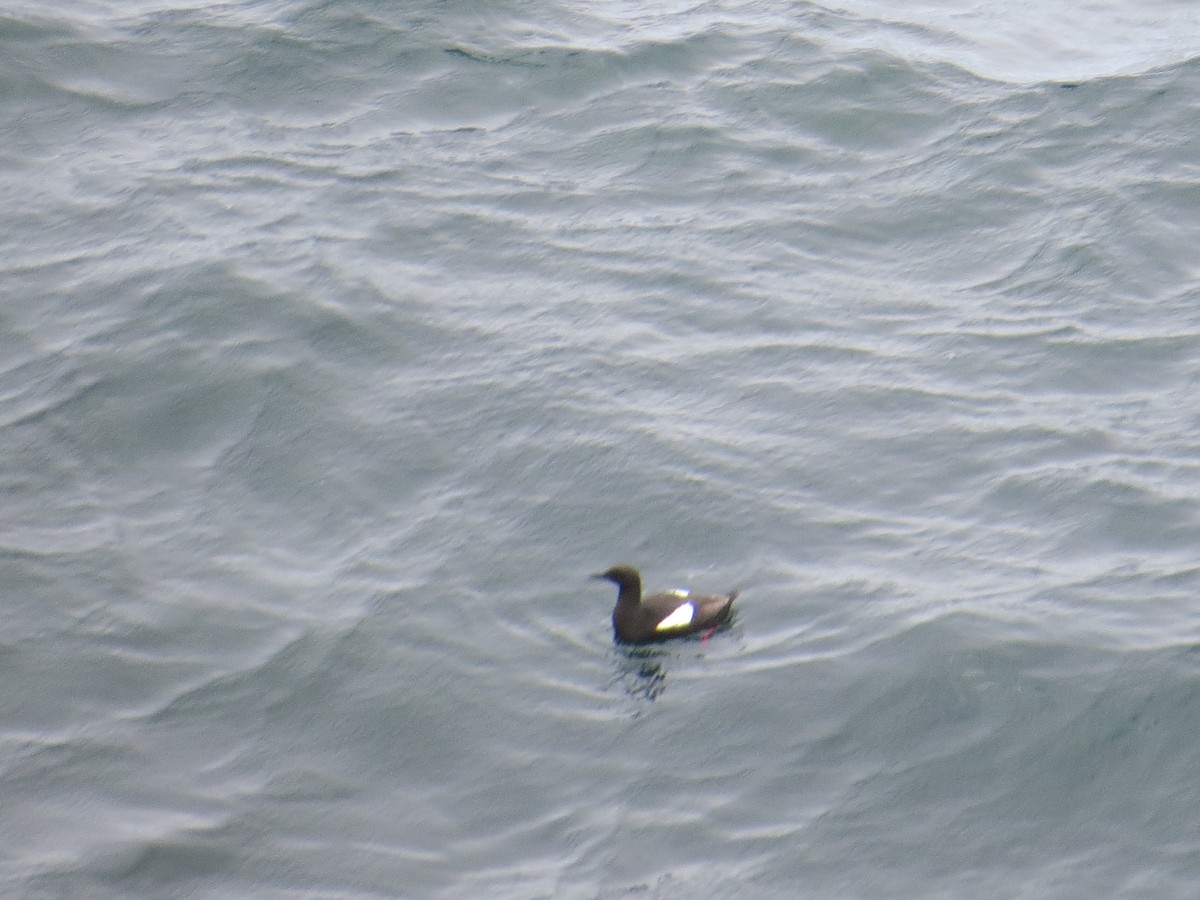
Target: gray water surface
{"type": "Point", "coordinates": [342, 341]}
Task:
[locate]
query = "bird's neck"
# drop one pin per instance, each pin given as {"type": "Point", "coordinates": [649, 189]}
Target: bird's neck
{"type": "Point", "coordinates": [629, 595]}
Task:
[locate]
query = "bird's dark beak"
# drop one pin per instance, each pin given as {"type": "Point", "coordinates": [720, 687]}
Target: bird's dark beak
{"type": "Point", "coordinates": [600, 575]}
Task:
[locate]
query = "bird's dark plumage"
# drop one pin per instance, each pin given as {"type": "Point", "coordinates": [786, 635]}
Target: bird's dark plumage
{"type": "Point", "coordinates": [657, 617]}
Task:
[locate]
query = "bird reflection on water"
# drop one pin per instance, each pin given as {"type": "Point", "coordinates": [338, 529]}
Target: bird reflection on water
{"type": "Point", "coordinates": [642, 671]}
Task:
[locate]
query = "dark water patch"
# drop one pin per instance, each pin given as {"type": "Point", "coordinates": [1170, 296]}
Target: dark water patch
{"type": "Point", "coordinates": [159, 864]}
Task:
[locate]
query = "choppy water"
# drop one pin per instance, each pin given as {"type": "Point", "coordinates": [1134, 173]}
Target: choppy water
{"type": "Point", "coordinates": [341, 341]}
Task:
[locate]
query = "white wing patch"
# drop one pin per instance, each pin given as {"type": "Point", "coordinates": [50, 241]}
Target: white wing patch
{"type": "Point", "coordinates": [681, 616]}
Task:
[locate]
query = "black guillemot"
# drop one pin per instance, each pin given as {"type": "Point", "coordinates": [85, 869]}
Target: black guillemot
{"type": "Point", "coordinates": [642, 620]}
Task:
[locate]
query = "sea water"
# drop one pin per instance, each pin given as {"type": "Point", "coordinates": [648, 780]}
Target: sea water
{"type": "Point", "coordinates": [341, 342]}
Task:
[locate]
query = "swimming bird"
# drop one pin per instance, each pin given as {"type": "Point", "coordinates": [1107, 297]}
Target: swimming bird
{"type": "Point", "coordinates": [658, 617]}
